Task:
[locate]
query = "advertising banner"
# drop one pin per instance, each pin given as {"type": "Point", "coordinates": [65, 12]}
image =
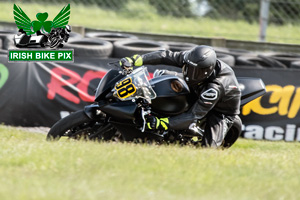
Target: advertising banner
{"type": "Point", "coordinates": [275, 116]}
{"type": "Point", "coordinates": [40, 93]}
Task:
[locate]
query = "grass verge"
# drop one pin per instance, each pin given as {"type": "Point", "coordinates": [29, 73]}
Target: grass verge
{"type": "Point", "coordinates": [31, 168]}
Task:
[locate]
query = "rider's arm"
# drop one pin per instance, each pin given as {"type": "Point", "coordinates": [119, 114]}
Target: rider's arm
{"type": "Point", "coordinates": [154, 58]}
{"type": "Point", "coordinates": [163, 57]}
{"type": "Point", "coordinates": [208, 98]}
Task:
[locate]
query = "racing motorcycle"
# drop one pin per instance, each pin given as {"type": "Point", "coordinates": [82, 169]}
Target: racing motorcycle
{"type": "Point", "coordinates": [123, 100]}
{"type": "Point", "coordinates": [58, 36]}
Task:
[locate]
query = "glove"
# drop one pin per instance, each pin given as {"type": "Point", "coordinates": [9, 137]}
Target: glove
{"type": "Point", "coordinates": [129, 62]}
{"type": "Point", "coordinates": [153, 123]}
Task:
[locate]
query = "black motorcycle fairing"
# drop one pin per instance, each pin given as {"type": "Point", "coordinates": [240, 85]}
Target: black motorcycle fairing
{"type": "Point", "coordinates": [107, 83]}
{"type": "Point", "coordinates": [120, 110]}
{"type": "Point", "coordinates": [93, 111]}
{"type": "Point", "coordinates": [172, 95]}
{"type": "Point", "coordinates": [162, 86]}
{"type": "Point", "coordinates": [170, 106]}
{"type": "Point", "coordinates": [251, 88]}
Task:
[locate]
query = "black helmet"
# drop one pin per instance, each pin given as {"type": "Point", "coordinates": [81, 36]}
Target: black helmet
{"type": "Point", "coordinates": [199, 64]}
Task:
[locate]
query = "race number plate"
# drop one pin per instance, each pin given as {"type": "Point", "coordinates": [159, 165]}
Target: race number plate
{"type": "Point", "coordinates": [125, 88]}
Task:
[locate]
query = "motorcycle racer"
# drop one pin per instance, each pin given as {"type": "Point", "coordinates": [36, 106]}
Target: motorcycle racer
{"type": "Point", "coordinates": [211, 80]}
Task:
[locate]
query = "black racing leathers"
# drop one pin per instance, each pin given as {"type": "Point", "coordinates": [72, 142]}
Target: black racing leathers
{"type": "Point", "coordinates": [220, 95]}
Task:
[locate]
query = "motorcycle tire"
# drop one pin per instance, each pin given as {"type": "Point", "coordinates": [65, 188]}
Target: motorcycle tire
{"type": "Point", "coordinates": [79, 126]}
{"type": "Point", "coordinates": [54, 43]}
{"type": "Point", "coordinates": [233, 133]}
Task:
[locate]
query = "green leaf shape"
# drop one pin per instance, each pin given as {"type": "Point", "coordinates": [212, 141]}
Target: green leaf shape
{"type": "Point", "coordinates": [48, 25]}
{"type": "Point", "coordinates": [62, 18]}
{"type": "Point", "coordinates": [22, 20]}
{"type": "Point", "coordinates": [42, 16]}
{"type": "Point", "coordinates": [36, 25]}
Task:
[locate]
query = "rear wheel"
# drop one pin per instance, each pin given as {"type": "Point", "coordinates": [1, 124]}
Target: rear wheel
{"type": "Point", "coordinates": [78, 126]}
{"type": "Point", "coordinates": [233, 133]}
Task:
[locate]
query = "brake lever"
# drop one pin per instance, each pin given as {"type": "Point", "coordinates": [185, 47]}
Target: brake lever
{"type": "Point", "coordinates": [126, 69]}
{"type": "Point", "coordinates": [113, 64]}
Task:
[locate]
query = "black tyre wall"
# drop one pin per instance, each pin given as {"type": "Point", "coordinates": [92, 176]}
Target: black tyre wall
{"type": "Point", "coordinates": [286, 58]}
{"type": "Point", "coordinates": [179, 46]}
{"type": "Point", "coordinates": [110, 36]}
{"type": "Point", "coordinates": [6, 38]}
{"type": "Point", "coordinates": [90, 47]}
{"type": "Point", "coordinates": [75, 35]}
{"type": "Point", "coordinates": [258, 61]}
{"type": "Point", "coordinates": [228, 59]}
{"type": "Point", "coordinates": [126, 48]}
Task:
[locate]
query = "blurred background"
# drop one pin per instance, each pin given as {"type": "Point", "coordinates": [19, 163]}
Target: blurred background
{"type": "Point", "coordinates": [253, 20]}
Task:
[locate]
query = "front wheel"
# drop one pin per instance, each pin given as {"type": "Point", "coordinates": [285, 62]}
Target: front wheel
{"type": "Point", "coordinates": [79, 126]}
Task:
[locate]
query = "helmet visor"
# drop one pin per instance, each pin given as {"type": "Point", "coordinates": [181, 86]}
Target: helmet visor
{"type": "Point", "coordinates": [196, 73]}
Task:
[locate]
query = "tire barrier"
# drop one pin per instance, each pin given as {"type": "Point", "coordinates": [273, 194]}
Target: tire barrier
{"type": "Point", "coordinates": [125, 48]}
{"type": "Point", "coordinates": [258, 62]}
{"type": "Point", "coordinates": [179, 46]}
{"type": "Point", "coordinates": [230, 57]}
{"type": "Point", "coordinates": [233, 52]}
{"type": "Point", "coordinates": [109, 36]}
{"type": "Point", "coordinates": [90, 47]}
{"type": "Point", "coordinates": [123, 45]}
{"type": "Point", "coordinates": [226, 58]}
{"type": "Point", "coordinates": [249, 61]}
{"type": "Point", "coordinates": [6, 38]}
{"type": "Point", "coordinates": [75, 35]}
{"type": "Point", "coordinates": [239, 52]}
{"type": "Point", "coordinates": [295, 65]}
{"type": "Point", "coordinates": [285, 58]}
{"type": "Point", "coordinates": [272, 62]}
{"type": "Point", "coordinates": [3, 52]}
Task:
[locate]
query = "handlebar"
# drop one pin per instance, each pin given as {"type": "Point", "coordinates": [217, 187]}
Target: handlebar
{"type": "Point", "coordinates": [126, 67]}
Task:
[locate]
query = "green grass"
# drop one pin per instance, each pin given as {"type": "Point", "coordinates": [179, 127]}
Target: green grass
{"type": "Point", "coordinates": [137, 16]}
{"type": "Point", "coordinates": [31, 168]}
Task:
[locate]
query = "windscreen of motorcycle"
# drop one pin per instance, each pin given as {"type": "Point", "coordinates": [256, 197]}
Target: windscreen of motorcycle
{"type": "Point", "coordinates": [134, 86]}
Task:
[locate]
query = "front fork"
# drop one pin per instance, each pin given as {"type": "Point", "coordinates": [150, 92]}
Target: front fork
{"type": "Point", "coordinates": [93, 112]}
{"type": "Point", "coordinates": [144, 113]}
